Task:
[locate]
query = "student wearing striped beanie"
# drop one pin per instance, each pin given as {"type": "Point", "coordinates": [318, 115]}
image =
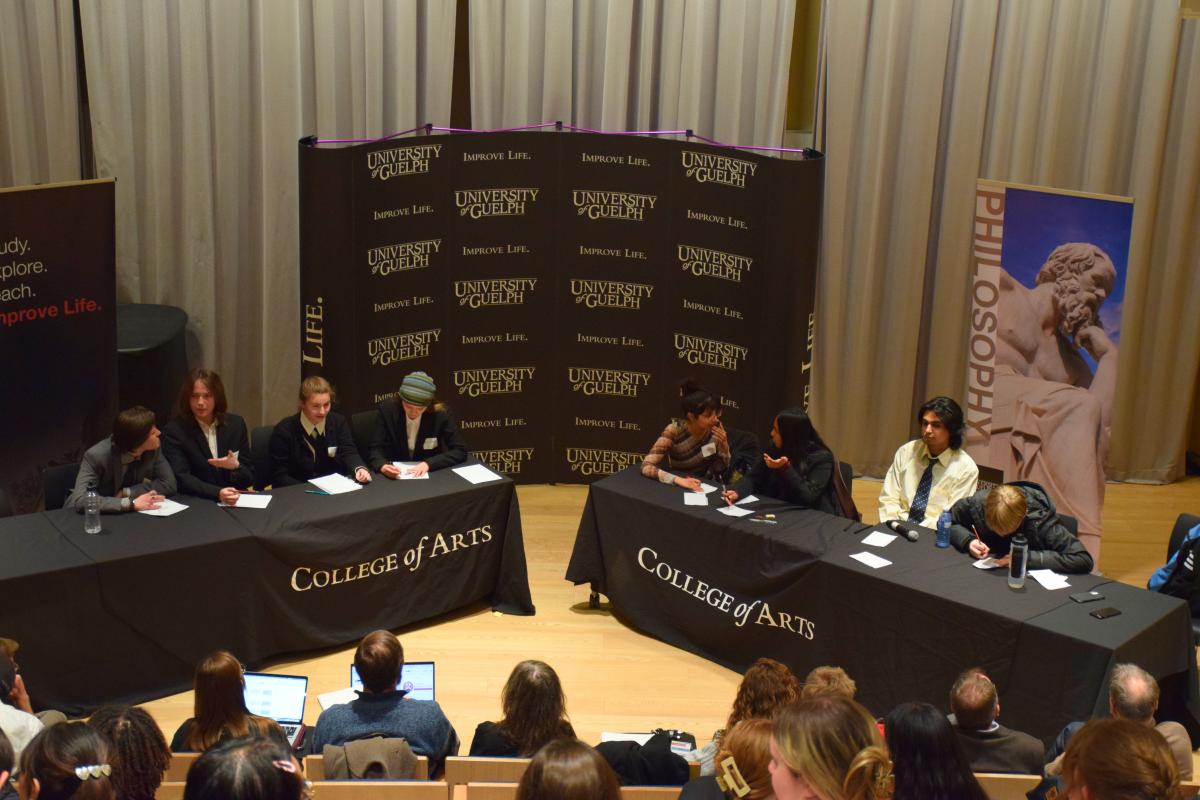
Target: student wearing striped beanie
{"type": "Point", "coordinates": [415, 430]}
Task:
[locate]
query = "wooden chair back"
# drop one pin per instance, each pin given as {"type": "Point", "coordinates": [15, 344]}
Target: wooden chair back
{"type": "Point", "coordinates": [999, 786]}
{"type": "Point", "coordinates": [177, 770]}
{"type": "Point", "coordinates": [479, 769]}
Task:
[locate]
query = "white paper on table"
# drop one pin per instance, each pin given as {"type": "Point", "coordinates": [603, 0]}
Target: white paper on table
{"type": "Point", "coordinates": [336, 697]}
{"type": "Point", "coordinates": [252, 500]}
{"type": "Point", "coordinates": [1049, 579]}
{"type": "Point", "coordinates": [871, 560]}
{"type": "Point", "coordinates": [747, 499]}
{"type": "Point", "coordinates": [704, 487]}
{"type": "Point", "coordinates": [335, 484]}
{"type": "Point", "coordinates": [988, 563]}
{"type": "Point", "coordinates": [477, 473]}
{"type": "Point", "coordinates": [735, 511]}
{"type": "Point", "coordinates": [165, 509]}
{"type": "Point", "coordinates": [879, 539]}
{"type": "Point", "coordinates": [695, 499]}
{"type": "Point", "coordinates": [610, 736]}
{"type": "Point", "coordinates": [405, 474]}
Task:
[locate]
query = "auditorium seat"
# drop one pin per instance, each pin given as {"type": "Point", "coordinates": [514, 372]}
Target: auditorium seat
{"type": "Point", "coordinates": [170, 790]}
{"type": "Point", "coordinates": [177, 770]}
{"type": "Point", "coordinates": [380, 790]}
{"type": "Point", "coordinates": [57, 483]}
{"type": "Point", "coordinates": [508, 791]}
{"type": "Point", "coordinates": [362, 426]}
{"type": "Point", "coordinates": [314, 768]}
{"type": "Point", "coordinates": [1000, 786]}
{"type": "Point", "coordinates": [463, 769]}
{"type": "Point", "coordinates": [260, 451]}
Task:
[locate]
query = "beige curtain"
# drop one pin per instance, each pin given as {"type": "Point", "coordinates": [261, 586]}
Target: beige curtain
{"type": "Point", "coordinates": [923, 97]}
{"type": "Point", "coordinates": [39, 117]}
{"type": "Point", "coordinates": [196, 111]}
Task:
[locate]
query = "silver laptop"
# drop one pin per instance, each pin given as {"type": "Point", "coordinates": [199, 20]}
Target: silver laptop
{"type": "Point", "coordinates": [280, 697]}
{"type": "Point", "coordinates": [416, 678]}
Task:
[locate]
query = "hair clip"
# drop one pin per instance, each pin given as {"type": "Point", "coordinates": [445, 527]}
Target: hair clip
{"type": "Point", "coordinates": [93, 771]}
{"type": "Point", "coordinates": [286, 766]}
{"type": "Point", "coordinates": [732, 780]}
{"type": "Point", "coordinates": [885, 782]}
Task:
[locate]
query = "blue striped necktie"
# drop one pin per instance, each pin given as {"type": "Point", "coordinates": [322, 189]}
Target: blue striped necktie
{"type": "Point", "coordinates": [916, 512]}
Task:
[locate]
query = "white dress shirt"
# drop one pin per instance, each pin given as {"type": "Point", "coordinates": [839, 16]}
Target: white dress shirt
{"type": "Point", "coordinates": [954, 477]}
{"type": "Point", "coordinates": [411, 426]}
{"type": "Point", "coordinates": [210, 433]}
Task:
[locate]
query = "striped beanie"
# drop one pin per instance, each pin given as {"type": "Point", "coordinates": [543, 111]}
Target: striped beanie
{"type": "Point", "coordinates": [417, 388]}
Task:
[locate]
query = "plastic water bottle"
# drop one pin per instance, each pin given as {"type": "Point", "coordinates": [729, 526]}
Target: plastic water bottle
{"type": "Point", "coordinates": [91, 510]}
{"type": "Point", "coordinates": [943, 530]}
{"type": "Point", "coordinates": [1018, 561]}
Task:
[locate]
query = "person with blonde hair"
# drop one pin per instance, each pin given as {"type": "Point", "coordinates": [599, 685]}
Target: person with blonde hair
{"type": "Point", "coordinates": [742, 766]}
{"type": "Point", "coordinates": [984, 523]}
{"type": "Point", "coordinates": [1117, 759]}
{"type": "Point", "coordinates": [828, 748]}
{"type": "Point", "coordinates": [315, 441]}
{"type": "Point", "coordinates": [829, 680]}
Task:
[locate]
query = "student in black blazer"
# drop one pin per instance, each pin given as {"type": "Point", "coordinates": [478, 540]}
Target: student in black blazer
{"type": "Point", "coordinates": [314, 442]}
{"type": "Point", "coordinates": [206, 446]}
{"type": "Point", "coordinates": [435, 440]}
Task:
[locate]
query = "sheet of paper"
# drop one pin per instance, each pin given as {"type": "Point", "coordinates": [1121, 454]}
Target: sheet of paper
{"type": "Point", "coordinates": [253, 500]}
{"type": "Point", "coordinates": [695, 499]}
{"type": "Point", "coordinates": [704, 487]}
{"type": "Point", "coordinates": [610, 736]}
{"type": "Point", "coordinates": [335, 484]}
{"type": "Point", "coordinates": [735, 511]}
{"type": "Point", "coordinates": [477, 473]}
{"type": "Point", "coordinates": [879, 539]}
{"type": "Point", "coordinates": [871, 560]}
{"type": "Point", "coordinates": [988, 563]}
{"type": "Point", "coordinates": [336, 697]}
{"type": "Point", "coordinates": [405, 475]}
{"type": "Point", "coordinates": [1049, 579]}
{"type": "Point", "coordinates": [747, 499]}
{"type": "Point", "coordinates": [165, 509]}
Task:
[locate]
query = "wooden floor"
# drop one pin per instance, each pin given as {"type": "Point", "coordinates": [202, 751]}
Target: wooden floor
{"type": "Point", "coordinates": [615, 678]}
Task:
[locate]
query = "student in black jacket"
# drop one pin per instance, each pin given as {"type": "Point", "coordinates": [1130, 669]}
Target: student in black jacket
{"type": "Point", "coordinates": [206, 446]}
{"type": "Point", "coordinates": [315, 442]}
{"type": "Point", "coordinates": [414, 429]}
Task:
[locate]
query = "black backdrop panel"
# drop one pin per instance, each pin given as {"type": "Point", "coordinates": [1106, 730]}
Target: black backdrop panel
{"type": "Point", "coordinates": [58, 332]}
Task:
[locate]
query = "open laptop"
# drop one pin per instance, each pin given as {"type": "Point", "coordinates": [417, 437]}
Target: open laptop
{"type": "Point", "coordinates": [416, 678]}
{"type": "Point", "coordinates": [280, 697]}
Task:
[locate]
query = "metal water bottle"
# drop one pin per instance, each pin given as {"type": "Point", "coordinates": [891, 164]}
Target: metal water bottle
{"type": "Point", "coordinates": [1018, 561]}
{"type": "Point", "coordinates": [91, 510]}
{"type": "Point", "coordinates": [943, 530]}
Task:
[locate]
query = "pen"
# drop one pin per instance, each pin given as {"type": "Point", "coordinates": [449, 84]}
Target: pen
{"type": "Point", "coordinates": [315, 491]}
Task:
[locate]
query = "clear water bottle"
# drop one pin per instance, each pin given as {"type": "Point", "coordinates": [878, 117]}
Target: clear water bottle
{"type": "Point", "coordinates": [91, 510]}
{"type": "Point", "coordinates": [943, 530]}
{"type": "Point", "coordinates": [1018, 561]}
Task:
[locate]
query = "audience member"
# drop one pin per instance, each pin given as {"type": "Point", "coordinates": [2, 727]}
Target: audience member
{"type": "Point", "coordinates": [766, 688]}
{"type": "Point", "coordinates": [742, 766]}
{"type": "Point", "coordinates": [927, 760]}
{"type": "Point", "coordinates": [695, 445]}
{"type": "Point", "coordinates": [828, 747]}
{"type": "Point", "coordinates": [128, 468]}
{"type": "Point", "coordinates": [315, 441]}
{"type": "Point", "coordinates": [137, 750]}
{"type": "Point", "coordinates": [66, 761]}
{"type": "Point", "coordinates": [829, 680]}
{"type": "Point", "coordinates": [930, 474]}
{"type": "Point", "coordinates": [996, 514]}
{"type": "Point", "coordinates": [382, 709]}
{"type": "Point", "coordinates": [567, 769]}
{"type": "Point", "coordinates": [220, 708]}
{"type": "Point", "coordinates": [1116, 759]}
{"type": "Point", "coordinates": [989, 746]}
{"type": "Point", "coordinates": [246, 769]}
{"type": "Point", "coordinates": [535, 712]}
{"type": "Point", "coordinates": [207, 447]}
{"type": "Point", "coordinates": [17, 720]}
{"type": "Point", "coordinates": [415, 430]}
{"type": "Point", "coordinates": [47, 716]}
{"type": "Point", "coordinates": [8, 762]}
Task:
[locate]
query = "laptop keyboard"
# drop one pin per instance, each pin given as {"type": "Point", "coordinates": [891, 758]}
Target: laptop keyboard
{"type": "Point", "coordinates": [290, 731]}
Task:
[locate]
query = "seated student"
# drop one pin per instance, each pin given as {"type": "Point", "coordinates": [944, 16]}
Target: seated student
{"type": "Point", "coordinates": [741, 766]}
{"type": "Point", "coordinates": [694, 445]}
{"type": "Point", "coordinates": [988, 745]}
{"type": "Point", "coordinates": [767, 686]}
{"type": "Point", "coordinates": [930, 474]}
{"type": "Point", "coordinates": [828, 747]}
{"type": "Point", "coordinates": [535, 712]}
{"type": "Point", "coordinates": [220, 708]}
{"type": "Point", "coordinates": [315, 441]}
{"type": "Point", "coordinates": [798, 467]}
{"type": "Point", "coordinates": [207, 447]}
{"type": "Point", "coordinates": [1118, 758]}
{"type": "Point", "coordinates": [382, 709]}
{"type": "Point", "coordinates": [828, 680]}
{"type": "Point", "coordinates": [927, 760]}
{"type": "Point", "coordinates": [567, 769]}
{"type": "Point", "coordinates": [128, 469]}
{"type": "Point", "coordinates": [247, 769]}
{"type": "Point", "coordinates": [415, 429]}
{"type": "Point", "coordinates": [17, 720]}
{"type": "Point", "coordinates": [66, 761]}
{"type": "Point", "coordinates": [137, 750]}
{"type": "Point", "coordinates": [997, 514]}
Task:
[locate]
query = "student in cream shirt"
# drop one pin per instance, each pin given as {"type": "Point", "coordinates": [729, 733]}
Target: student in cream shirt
{"type": "Point", "coordinates": [928, 475]}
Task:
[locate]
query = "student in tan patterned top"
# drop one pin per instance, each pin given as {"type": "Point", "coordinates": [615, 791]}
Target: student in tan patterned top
{"type": "Point", "coordinates": [693, 446]}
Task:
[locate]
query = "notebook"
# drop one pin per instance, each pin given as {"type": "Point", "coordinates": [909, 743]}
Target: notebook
{"type": "Point", "coordinates": [416, 678]}
{"type": "Point", "coordinates": [281, 698]}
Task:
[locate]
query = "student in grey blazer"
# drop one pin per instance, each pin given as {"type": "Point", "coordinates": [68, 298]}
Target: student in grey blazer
{"type": "Point", "coordinates": [128, 469]}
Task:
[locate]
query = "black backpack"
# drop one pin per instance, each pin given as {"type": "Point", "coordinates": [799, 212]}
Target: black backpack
{"type": "Point", "coordinates": [1184, 579]}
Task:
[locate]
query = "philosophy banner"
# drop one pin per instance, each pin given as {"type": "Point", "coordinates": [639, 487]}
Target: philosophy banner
{"type": "Point", "coordinates": [1049, 284]}
{"type": "Point", "coordinates": [58, 331]}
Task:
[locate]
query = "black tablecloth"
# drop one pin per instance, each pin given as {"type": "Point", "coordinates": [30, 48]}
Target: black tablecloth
{"type": "Point", "coordinates": [734, 590]}
{"type": "Point", "coordinates": [125, 615]}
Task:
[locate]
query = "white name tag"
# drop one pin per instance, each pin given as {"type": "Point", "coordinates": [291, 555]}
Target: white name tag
{"type": "Point", "coordinates": [430, 443]}
{"type": "Point", "coordinates": [708, 449]}
{"type": "Point", "coordinates": [332, 451]}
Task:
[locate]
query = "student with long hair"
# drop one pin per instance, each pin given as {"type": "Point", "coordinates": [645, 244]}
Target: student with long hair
{"type": "Point", "coordinates": [1117, 759]}
{"type": "Point", "coordinates": [567, 769]}
{"type": "Point", "coordinates": [535, 712]}
{"type": "Point", "coordinates": [742, 766]}
{"type": "Point", "coordinates": [207, 447]}
{"type": "Point", "coordinates": [828, 747]}
{"type": "Point", "coordinates": [137, 750]}
{"type": "Point", "coordinates": [766, 688]}
{"type": "Point", "coordinates": [927, 760]}
{"type": "Point", "coordinates": [691, 447]}
{"type": "Point", "coordinates": [246, 769]}
{"type": "Point", "coordinates": [67, 761]}
{"type": "Point", "coordinates": [220, 708]}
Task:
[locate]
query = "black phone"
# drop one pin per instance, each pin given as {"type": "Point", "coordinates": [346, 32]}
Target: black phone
{"type": "Point", "coordinates": [1104, 613]}
{"type": "Point", "coordinates": [1086, 597]}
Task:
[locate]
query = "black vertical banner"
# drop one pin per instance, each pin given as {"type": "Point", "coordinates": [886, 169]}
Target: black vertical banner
{"type": "Point", "coordinates": [58, 332]}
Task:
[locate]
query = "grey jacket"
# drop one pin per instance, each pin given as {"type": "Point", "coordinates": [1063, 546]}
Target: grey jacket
{"type": "Point", "coordinates": [102, 465]}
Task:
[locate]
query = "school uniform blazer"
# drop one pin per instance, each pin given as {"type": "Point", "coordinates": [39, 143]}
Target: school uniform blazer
{"type": "Point", "coordinates": [186, 448]}
{"type": "Point", "coordinates": [101, 465]}
{"type": "Point", "coordinates": [292, 461]}
{"type": "Point", "coordinates": [437, 429]}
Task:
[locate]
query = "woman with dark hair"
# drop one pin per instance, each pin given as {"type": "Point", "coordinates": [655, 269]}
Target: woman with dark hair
{"type": "Point", "coordinates": [742, 766]}
{"type": "Point", "coordinates": [535, 712]}
{"type": "Point", "coordinates": [695, 445]}
{"type": "Point", "coordinates": [567, 769]}
{"type": "Point", "coordinates": [220, 708]}
{"type": "Point", "coordinates": [7, 763]}
{"type": "Point", "coordinates": [927, 760]}
{"type": "Point", "coordinates": [1118, 759]}
{"type": "Point", "coordinates": [68, 760]}
{"type": "Point", "coordinates": [246, 769]}
{"type": "Point", "coordinates": [207, 447]}
{"type": "Point", "coordinates": [798, 467]}
{"type": "Point", "coordinates": [137, 750]}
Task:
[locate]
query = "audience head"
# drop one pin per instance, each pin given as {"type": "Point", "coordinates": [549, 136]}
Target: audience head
{"type": "Point", "coordinates": [7, 760]}
{"type": "Point", "coordinates": [765, 689]}
{"type": "Point", "coordinates": [700, 407]}
{"type": "Point", "coordinates": [202, 396]}
{"type": "Point", "coordinates": [1117, 759]}
{"type": "Point", "coordinates": [246, 769]}
{"type": "Point", "coordinates": [973, 700]}
{"type": "Point", "coordinates": [68, 760]}
{"type": "Point", "coordinates": [793, 433]}
{"type": "Point", "coordinates": [1132, 694]}
{"type": "Point", "coordinates": [9, 647]}
{"type": "Point", "coordinates": [379, 659]}
{"type": "Point", "coordinates": [316, 398]}
{"type": "Point", "coordinates": [535, 708]}
{"type": "Point", "coordinates": [417, 391]}
{"type": "Point", "coordinates": [927, 759]}
{"type": "Point", "coordinates": [1004, 509]}
{"type": "Point", "coordinates": [829, 680]}
{"type": "Point", "coordinates": [137, 750]}
{"type": "Point", "coordinates": [567, 769]}
{"type": "Point", "coordinates": [829, 747]}
{"type": "Point", "coordinates": [748, 744]}
{"type": "Point", "coordinates": [942, 425]}
{"type": "Point", "coordinates": [134, 431]}
{"type": "Point", "coordinates": [220, 704]}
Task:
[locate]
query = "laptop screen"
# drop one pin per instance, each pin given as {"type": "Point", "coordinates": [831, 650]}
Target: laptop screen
{"type": "Point", "coordinates": [416, 678]}
{"type": "Point", "coordinates": [280, 697]}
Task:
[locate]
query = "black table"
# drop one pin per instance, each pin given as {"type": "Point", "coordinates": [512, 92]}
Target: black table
{"type": "Point", "coordinates": [733, 590]}
{"type": "Point", "coordinates": [124, 616]}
